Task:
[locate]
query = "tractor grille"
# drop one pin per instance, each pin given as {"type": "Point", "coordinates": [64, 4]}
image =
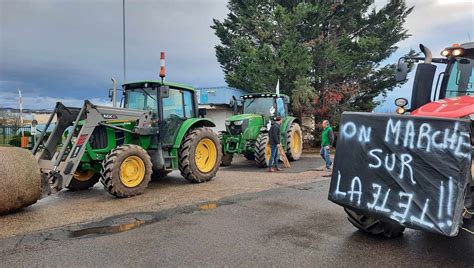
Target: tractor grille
{"type": "Point", "coordinates": [98, 140]}
{"type": "Point", "coordinates": [237, 129]}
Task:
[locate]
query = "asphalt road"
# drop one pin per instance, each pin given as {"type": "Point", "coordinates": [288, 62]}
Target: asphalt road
{"type": "Point", "coordinates": [287, 227]}
{"type": "Point", "coordinates": [68, 207]}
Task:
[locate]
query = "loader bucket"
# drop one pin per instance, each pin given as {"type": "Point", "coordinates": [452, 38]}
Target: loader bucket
{"type": "Point", "coordinates": [20, 179]}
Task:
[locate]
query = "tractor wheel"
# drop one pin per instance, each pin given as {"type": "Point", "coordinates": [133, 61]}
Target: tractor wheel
{"type": "Point", "coordinates": [158, 174]}
{"type": "Point", "coordinates": [200, 155]}
{"type": "Point", "coordinates": [126, 171]}
{"type": "Point", "coordinates": [262, 150]}
{"type": "Point", "coordinates": [83, 180]}
{"type": "Point", "coordinates": [294, 142]}
{"type": "Point", "coordinates": [227, 159]}
{"type": "Point", "coordinates": [373, 226]}
{"type": "Point", "coordinates": [250, 156]}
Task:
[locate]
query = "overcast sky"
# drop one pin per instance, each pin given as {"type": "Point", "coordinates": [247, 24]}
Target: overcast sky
{"type": "Point", "coordinates": [68, 50]}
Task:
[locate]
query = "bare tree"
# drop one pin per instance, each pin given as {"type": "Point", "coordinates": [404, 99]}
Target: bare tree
{"type": "Point", "coordinates": [3, 117]}
{"type": "Point", "coordinates": [10, 119]}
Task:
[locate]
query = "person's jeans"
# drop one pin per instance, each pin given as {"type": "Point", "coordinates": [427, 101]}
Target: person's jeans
{"type": "Point", "coordinates": [273, 162]}
{"type": "Point", "coordinates": [325, 155]}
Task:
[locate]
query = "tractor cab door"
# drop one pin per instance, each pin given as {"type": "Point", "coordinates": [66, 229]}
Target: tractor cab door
{"type": "Point", "coordinates": [177, 107]}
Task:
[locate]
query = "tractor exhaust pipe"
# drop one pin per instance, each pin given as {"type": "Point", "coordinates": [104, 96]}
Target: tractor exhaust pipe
{"type": "Point", "coordinates": [427, 52]}
{"type": "Point", "coordinates": [423, 81]}
{"type": "Point", "coordinates": [114, 92]}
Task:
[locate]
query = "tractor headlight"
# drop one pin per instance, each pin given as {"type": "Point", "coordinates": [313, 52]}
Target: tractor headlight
{"type": "Point", "coordinates": [400, 110]}
{"type": "Point", "coordinates": [401, 102]}
{"type": "Point", "coordinates": [227, 123]}
{"type": "Point", "coordinates": [458, 52]}
{"type": "Point", "coordinates": [238, 123]}
{"type": "Point", "coordinates": [445, 53]}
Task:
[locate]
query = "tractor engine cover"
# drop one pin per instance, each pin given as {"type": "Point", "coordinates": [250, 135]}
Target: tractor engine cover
{"type": "Point", "coordinates": [410, 170]}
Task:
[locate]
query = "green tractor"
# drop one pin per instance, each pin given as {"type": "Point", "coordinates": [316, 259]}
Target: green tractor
{"type": "Point", "coordinates": [157, 131]}
{"type": "Point", "coordinates": [247, 133]}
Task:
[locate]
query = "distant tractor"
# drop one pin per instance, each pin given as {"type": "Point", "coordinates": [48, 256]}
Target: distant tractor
{"type": "Point", "coordinates": [157, 131]}
{"type": "Point", "coordinates": [247, 133]}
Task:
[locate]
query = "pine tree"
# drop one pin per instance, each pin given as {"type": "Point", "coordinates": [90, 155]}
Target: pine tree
{"type": "Point", "coordinates": [327, 54]}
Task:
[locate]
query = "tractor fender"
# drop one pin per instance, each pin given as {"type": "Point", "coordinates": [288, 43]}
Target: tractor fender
{"type": "Point", "coordinates": [191, 124]}
{"type": "Point", "coordinates": [287, 121]}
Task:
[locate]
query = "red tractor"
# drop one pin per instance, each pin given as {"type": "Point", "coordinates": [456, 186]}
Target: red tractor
{"type": "Point", "coordinates": [382, 206]}
{"type": "Point", "coordinates": [453, 95]}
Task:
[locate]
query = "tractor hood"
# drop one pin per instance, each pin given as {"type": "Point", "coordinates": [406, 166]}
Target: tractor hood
{"type": "Point", "coordinates": [247, 125]}
{"type": "Point", "coordinates": [448, 108]}
{"type": "Point", "coordinates": [239, 117]}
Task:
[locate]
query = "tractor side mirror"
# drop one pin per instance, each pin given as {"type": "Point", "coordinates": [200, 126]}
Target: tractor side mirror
{"type": "Point", "coordinates": [164, 92]}
{"type": "Point", "coordinates": [401, 71]}
{"type": "Point", "coordinates": [202, 112]}
{"type": "Point", "coordinates": [111, 93]}
{"type": "Point", "coordinates": [233, 104]}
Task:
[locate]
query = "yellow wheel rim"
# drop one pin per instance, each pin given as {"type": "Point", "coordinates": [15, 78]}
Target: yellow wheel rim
{"type": "Point", "coordinates": [205, 155]}
{"type": "Point", "coordinates": [132, 171]}
{"type": "Point", "coordinates": [296, 143]}
{"type": "Point", "coordinates": [83, 175]}
{"type": "Point", "coordinates": [268, 151]}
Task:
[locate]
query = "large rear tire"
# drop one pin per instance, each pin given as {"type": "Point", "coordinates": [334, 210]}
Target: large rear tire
{"type": "Point", "coordinates": [200, 155]}
{"type": "Point", "coordinates": [262, 150]}
{"type": "Point", "coordinates": [294, 142]}
{"type": "Point", "coordinates": [374, 226]}
{"type": "Point", "coordinates": [126, 171]}
{"type": "Point", "coordinates": [20, 179]}
{"type": "Point", "coordinates": [83, 180]}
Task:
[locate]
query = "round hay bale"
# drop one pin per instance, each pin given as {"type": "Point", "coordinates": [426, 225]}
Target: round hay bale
{"type": "Point", "coordinates": [20, 179]}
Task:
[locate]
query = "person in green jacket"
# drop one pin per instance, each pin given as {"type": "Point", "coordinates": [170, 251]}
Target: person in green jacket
{"type": "Point", "coordinates": [327, 139]}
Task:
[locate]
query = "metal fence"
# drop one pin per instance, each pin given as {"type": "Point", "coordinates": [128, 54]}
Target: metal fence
{"type": "Point", "coordinates": [11, 135]}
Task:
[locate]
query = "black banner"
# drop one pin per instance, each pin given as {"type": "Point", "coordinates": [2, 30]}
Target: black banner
{"type": "Point", "coordinates": [407, 169]}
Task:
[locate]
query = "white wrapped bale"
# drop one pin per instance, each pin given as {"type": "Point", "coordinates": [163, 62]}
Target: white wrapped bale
{"type": "Point", "coordinates": [20, 179]}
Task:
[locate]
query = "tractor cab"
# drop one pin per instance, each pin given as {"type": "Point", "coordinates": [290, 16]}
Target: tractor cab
{"type": "Point", "coordinates": [456, 83]}
{"type": "Point", "coordinates": [171, 105]}
{"type": "Point", "coordinates": [164, 99]}
{"type": "Point", "coordinates": [459, 80]}
{"type": "Point", "coordinates": [266, 104]}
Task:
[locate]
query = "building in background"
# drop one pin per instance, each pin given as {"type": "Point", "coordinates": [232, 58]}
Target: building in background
{"type": "Point", "coordinates": [216, 100]}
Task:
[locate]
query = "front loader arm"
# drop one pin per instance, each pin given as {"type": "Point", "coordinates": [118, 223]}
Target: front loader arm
{"type": "Point", "coordinates": [58, 167]}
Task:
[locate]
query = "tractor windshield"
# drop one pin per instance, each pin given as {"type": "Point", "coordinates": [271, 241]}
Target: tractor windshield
{"type": "Point", "coordinates": [263, 106]}
{"type": "Point", "coordinates": [461, 78]}
{"type": "Point", "coordinates": [141, 99]}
